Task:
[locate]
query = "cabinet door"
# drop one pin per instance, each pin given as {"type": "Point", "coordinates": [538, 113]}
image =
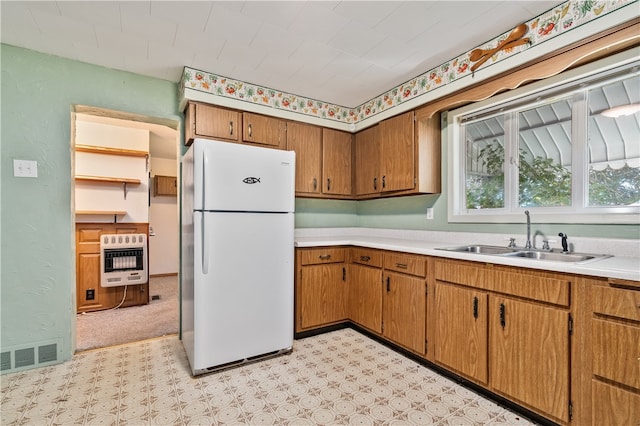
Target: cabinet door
{"type": "Point", "coordinates": [461, 330]}
{"type": "Point", "coordinates": [367, 159]}
{"type": "Point", "coordinates": [397, 153]}
{"type": "Point", "coordinates": [336, 162]}
{"type": "Point", "coordinates": [365, 297]}
{"type": "Point", "coordinates": [88, 269]}
{"type": "Point", "coordinates": [263, 130]}
{"type": "Point", "coordinates": [404, 310]}
{"type": "Point", "coordinates": [306, 141]}
{"type": "Point", "coordinates": [323, 295]}
{"type": "Point", "coordinates": [529, 355]}
{"type": "Point", "coordinates": [212, 122]}
{"type": "Point", "coordinates": [165, 185]}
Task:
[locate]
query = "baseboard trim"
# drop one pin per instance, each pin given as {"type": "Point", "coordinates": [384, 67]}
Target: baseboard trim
{"type": "Point", "coordinates": [170, 274]}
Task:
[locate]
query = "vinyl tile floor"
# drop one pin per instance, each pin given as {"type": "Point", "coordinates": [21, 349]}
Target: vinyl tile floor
{"type": "Point", "coordinates": [337, 378]}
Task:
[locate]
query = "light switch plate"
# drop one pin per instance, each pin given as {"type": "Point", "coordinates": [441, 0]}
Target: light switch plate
{"type": "Point", "coordinates": [430, 213]}
{"type": "Point", "coordinates": [25, 168]}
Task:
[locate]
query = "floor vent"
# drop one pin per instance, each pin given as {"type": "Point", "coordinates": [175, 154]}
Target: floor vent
{"type": "Point", "coordinates": [24, 358]}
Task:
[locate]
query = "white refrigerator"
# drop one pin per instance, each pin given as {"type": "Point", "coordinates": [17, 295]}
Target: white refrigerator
{"type": "Point", "coordinates": [237, 253]}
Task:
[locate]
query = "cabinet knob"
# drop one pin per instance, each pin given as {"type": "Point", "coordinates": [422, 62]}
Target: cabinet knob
{"type": "Point", "coordinates": [250, 130]}
{"type": "Point", "coordinates": [375, 183]}
{"type": "Point", "coordinates": [231, 128]}
{"type": "Point", "coordinates": [325, 256]}
{"type": "Point", "coordinates": [401, 265]}
{"type": "Point", "coordinates": [365, 258]}
{"type": "Point", "coordinates": [315, 184]}
{"type": "Point", "coordinates": [328, 184]}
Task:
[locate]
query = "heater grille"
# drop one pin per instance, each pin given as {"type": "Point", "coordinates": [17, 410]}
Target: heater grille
{"type": "Point", "coordinates": [26, 357]}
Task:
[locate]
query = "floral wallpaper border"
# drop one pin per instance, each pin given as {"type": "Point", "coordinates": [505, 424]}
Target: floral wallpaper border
{"type": "Point", "coordinates": [556, 21]}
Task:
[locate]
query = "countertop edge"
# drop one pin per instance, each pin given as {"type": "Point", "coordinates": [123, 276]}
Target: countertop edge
{"type": "Point", "coordinates": [626, 268]}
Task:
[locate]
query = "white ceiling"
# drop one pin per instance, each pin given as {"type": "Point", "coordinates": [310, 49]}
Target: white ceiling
{"type": "Point", "coordinates": [340, 52]}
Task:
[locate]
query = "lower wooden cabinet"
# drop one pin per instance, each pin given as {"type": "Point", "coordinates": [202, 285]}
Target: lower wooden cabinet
{"type": "Point", "coordinates": [510, 330]}
{"type": "Point", "coordinates": [507, 329]}
{"type": "Point", "coordinates": [615, 331]}
{"type": "Point", "coordinates": [365, 297]}
{"type": "Point", "coordinates": [321, 288]}
{"type": "Point", "coordinates": [404, 310]}
{"type": "Point", "coordinates": [529, 355]}
{"type": "Point", "coordinates": [462, 330]}
{"type": "Point", "coordinates": [90, 296]}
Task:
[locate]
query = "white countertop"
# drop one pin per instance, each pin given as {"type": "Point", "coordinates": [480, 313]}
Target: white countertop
{"type": "Point", "coordinates": [425, 242]}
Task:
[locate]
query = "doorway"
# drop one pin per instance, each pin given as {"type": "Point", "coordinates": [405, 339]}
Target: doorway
{"type": "Point", "coordinates": [135, 312]}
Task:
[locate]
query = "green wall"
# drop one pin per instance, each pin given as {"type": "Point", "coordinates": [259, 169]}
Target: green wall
{"type": "Point", "coordinates": [38, 266]}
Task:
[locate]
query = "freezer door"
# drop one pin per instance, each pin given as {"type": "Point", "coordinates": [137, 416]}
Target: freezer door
{"type": "Point", "coordinates": [243, 286]}
{"type": "Point", "coordinates": [234, 177]}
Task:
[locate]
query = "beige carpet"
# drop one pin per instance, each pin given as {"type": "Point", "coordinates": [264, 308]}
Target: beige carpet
{"type": "Point", "coordinates": [125, 325]}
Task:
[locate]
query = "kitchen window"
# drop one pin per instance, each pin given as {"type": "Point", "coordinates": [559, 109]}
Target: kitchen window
{"type": "Point", "coordinates": [568, 151]}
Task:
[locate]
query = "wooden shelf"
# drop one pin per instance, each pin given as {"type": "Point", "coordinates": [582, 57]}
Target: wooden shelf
{"type": "Point", "coordinates": [110, 151]}
{"type": "Point", "coordinates": [102, 212]}
{"type": "Point", "coordinates": [107, 179]}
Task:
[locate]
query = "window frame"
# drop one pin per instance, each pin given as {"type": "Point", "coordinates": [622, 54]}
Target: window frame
{"type": "Point", "coordinates": [522, 98]}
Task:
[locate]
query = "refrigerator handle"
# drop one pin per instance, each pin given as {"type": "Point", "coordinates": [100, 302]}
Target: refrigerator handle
{"type": "Point", "coordinates": [204, 177]}
{"type": "Point", "coordinates": [205, 247]}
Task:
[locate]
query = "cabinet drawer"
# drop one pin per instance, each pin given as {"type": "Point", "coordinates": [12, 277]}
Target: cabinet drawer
{"type": "Point", "coordinates": [615, 352]}
{"type": "Point", "coordinates": [460, 272]}
{"type": "Point", "coordinates": [616, 302]}
{"type": "Point", "coordinates": [407, 264]}
{"type": "Point", "coordinates": [614, 406]}
{"type": "Point", "coordinates": [366, 257]}
{"type": "Point", "coordinates": [322, 255]}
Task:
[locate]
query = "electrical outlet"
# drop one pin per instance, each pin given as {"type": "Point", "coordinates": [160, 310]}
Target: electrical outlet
{"type": "Point", "coordinates": [91, 294]}
{"type": "Point", "coordinates": [430, 213]}
{"type": "Point", "coordinates": [25, 168]}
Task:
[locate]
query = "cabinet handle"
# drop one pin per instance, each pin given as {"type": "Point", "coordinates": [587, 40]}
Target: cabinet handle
{"type": "Point", "coordinates": [344, 274]}
{"type": "Point", "coordinates": [388, 284]}
{"type": "Point", "coordinates": [250, 130]}
{"type": "Point", "coordinates": [503, 321]}
{"type": "Point", "coordinates": [375, 183]}
{"type": "Point", "coordinates": [325, 256]}
{"type": "Point", "coordinates": [365, 258]}
{"type": "Point", "coordinates": [231, 128]}
{"type": "Point", "coordinates": [315, 184]}
{"type": "Point", "coordinates": [384, 182]}
{"type": "Point", "coordinates": [475, 307]}
{"type": "Point", "coordinates": [328, 184]}
{"type": "Point", "coordinates": [401, 265]}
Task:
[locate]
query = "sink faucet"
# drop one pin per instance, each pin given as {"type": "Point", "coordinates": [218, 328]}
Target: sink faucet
{"type": "Point", "coordinates": [528, 243]}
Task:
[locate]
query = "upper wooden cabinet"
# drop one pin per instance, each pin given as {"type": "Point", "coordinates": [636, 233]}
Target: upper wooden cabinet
{"type": "Point", "coordinates": [262, 130]}
{"type": "Point", "coordinates": [367, 161]}
{"type": "Point", "coordinates": [399, 156]}
{"type": "Point", "coordinates": [207, 121]}
{"type": "Point", "coordinates": [323, 160]}
{"type": "Point", "coordinates": [397, 153]}
{"type": "Point", "coordinates": [306, 141]}
{"type": "Point", "coordinates": [165, 185]}
{"type": "Point", "coordinates": [336, 162]}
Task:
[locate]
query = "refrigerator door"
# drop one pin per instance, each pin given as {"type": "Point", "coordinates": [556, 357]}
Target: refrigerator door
{"type": "Point", "coordinates": [243, 286]}
{"type": "Point", "coordinates": [234, 177]}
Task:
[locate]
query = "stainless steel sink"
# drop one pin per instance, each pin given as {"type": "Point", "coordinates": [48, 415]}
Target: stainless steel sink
{"type": "Point", "coordinates": [526, 253]}
{"type": "Point", "coordinates": [558, 257]}
{"type": "Point", "coordinates": [481, 249]}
